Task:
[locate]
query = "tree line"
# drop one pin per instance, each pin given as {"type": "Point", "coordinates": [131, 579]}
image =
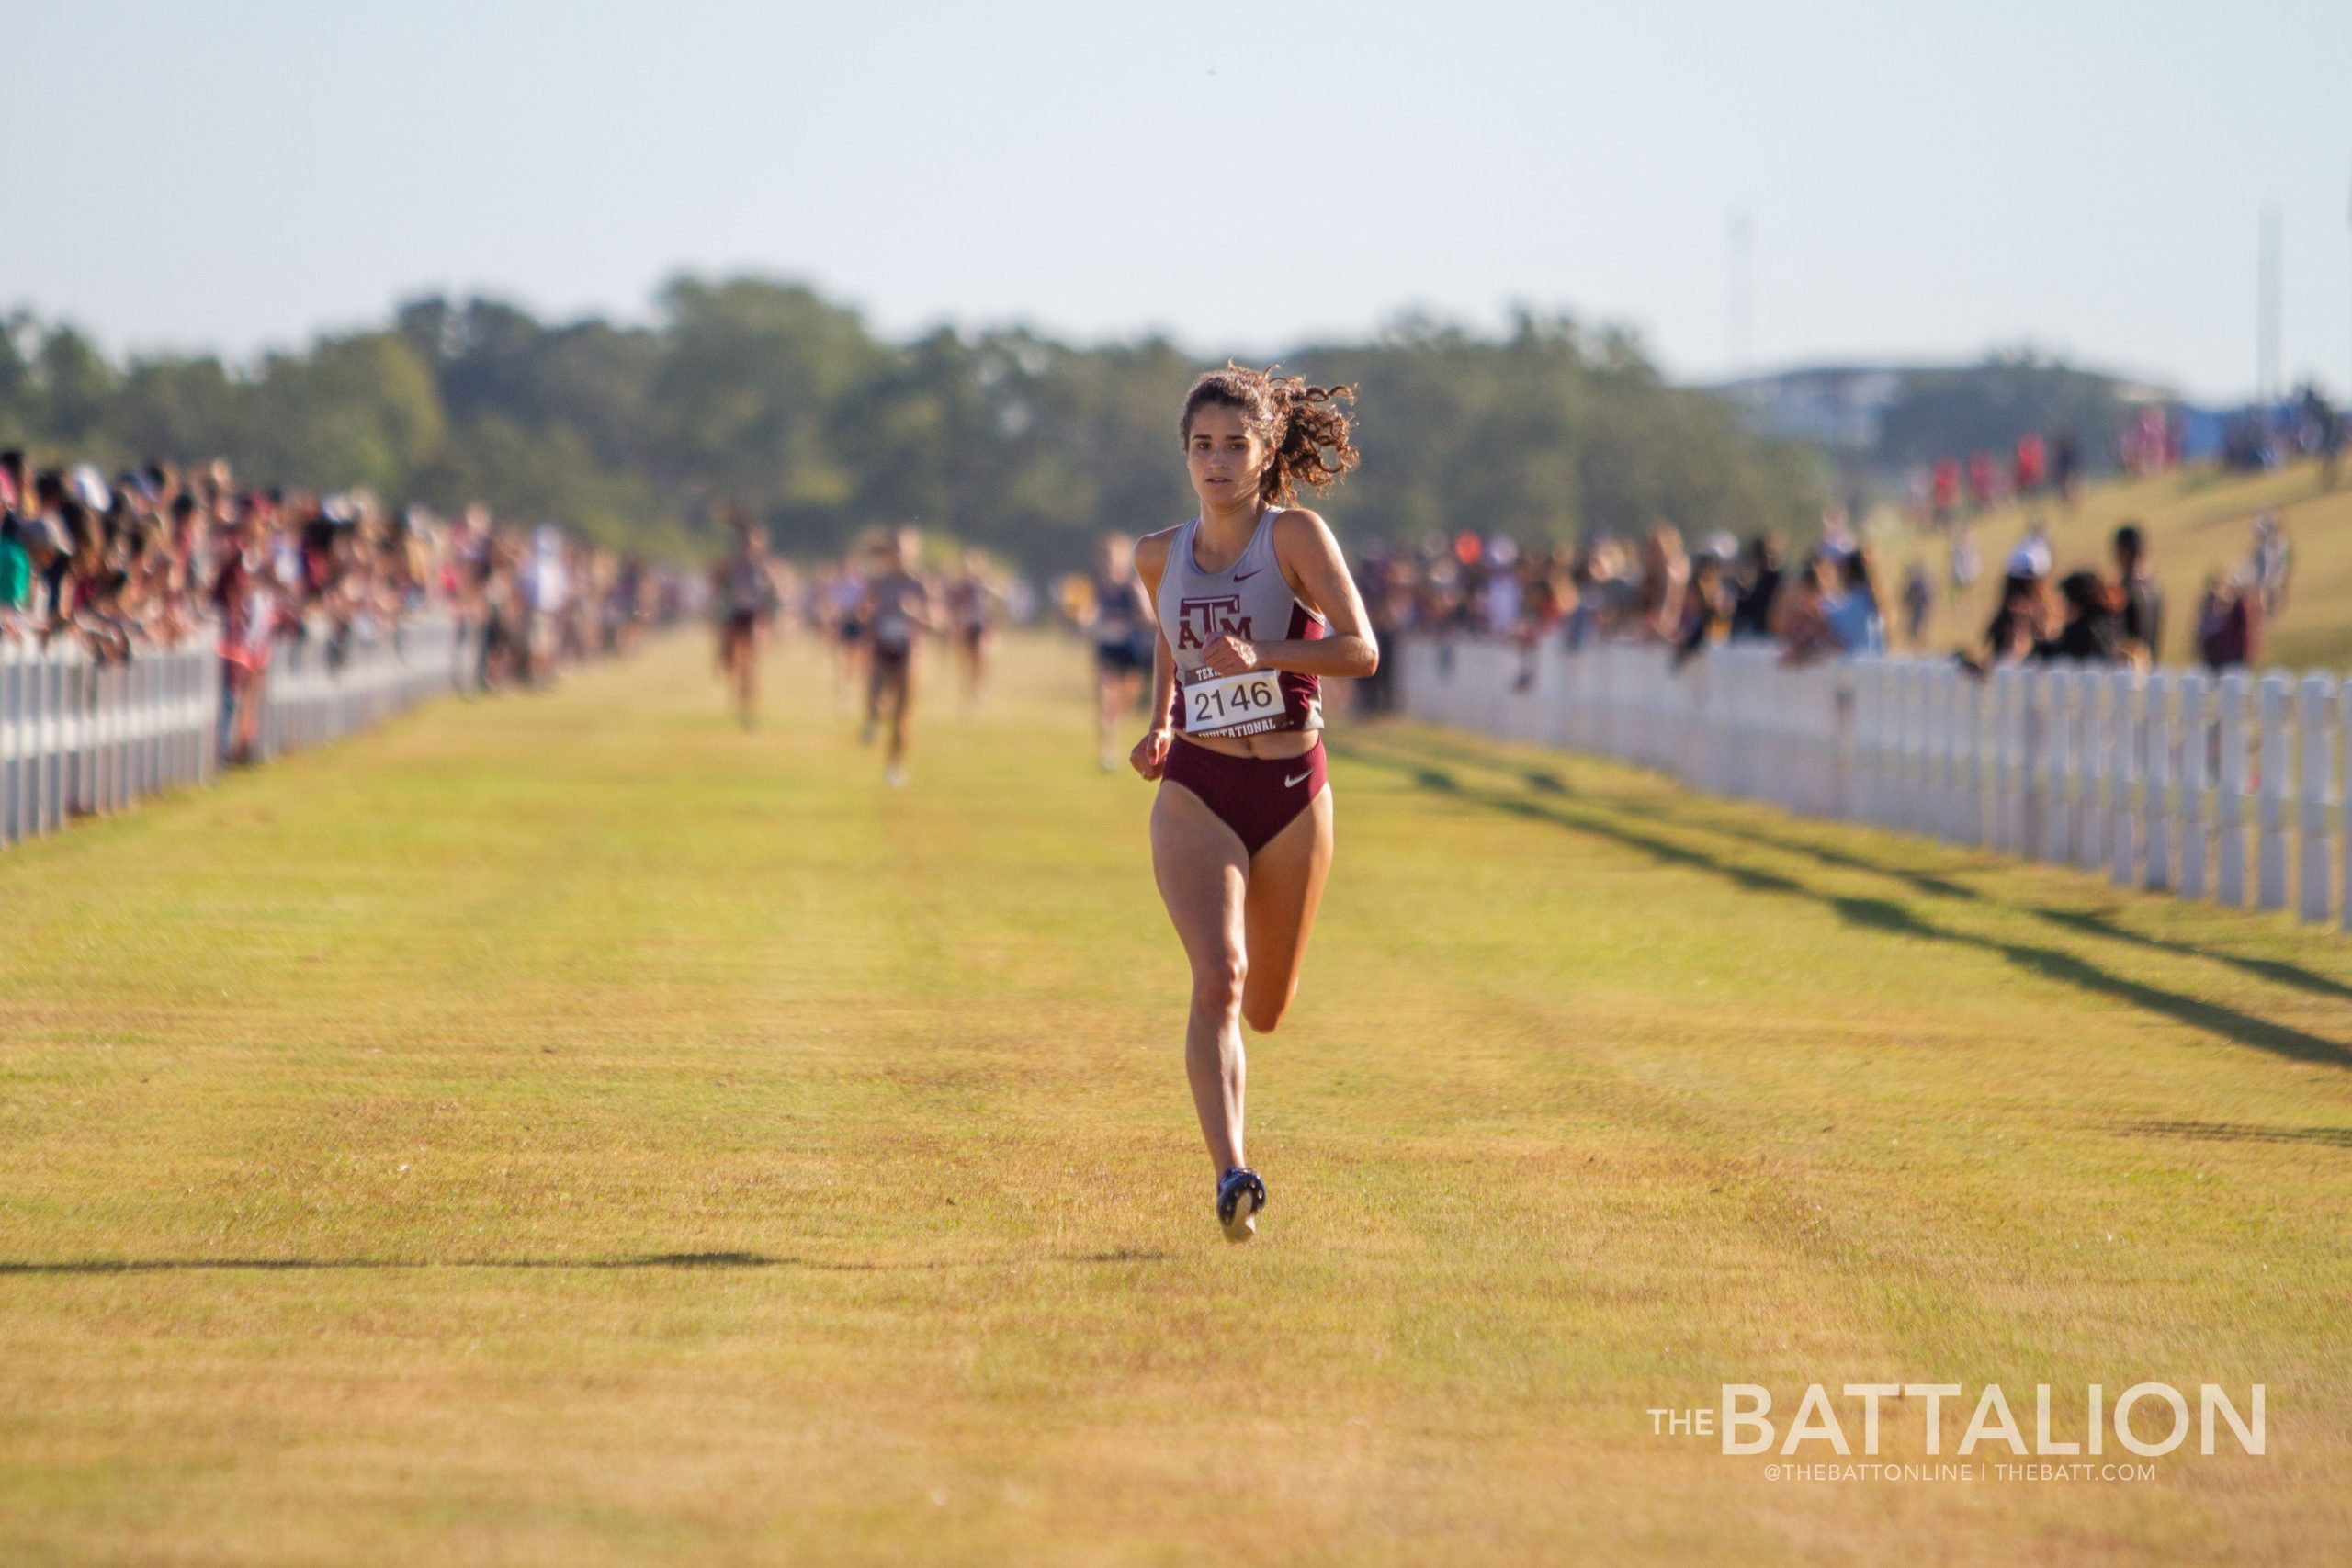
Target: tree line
{"type": "Point", "coordinates": [764, 394]}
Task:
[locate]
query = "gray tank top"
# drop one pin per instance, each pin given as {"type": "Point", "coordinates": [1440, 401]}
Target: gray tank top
{"type": "Point", "coordinates": [1250, 599]}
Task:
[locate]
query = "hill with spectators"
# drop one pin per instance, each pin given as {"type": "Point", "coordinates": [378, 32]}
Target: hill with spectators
{"type": "Point", "coordinates": [2281, 536]}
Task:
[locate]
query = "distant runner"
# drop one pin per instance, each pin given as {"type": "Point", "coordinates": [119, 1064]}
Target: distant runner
{"type": "Point", "coordinates": [744, 599]}
{"type": "Point", "coordinates": [971, 623]}
{"type": "Point", "coordinates": [1122, 642]}
{"type": "Point", "coordinates": [841, 608]}
{"type": "Point", "coordinates": [896, 609]}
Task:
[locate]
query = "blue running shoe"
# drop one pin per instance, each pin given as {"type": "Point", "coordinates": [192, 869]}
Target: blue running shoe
{"type": "Point", "coordinates": [1239, 1196]}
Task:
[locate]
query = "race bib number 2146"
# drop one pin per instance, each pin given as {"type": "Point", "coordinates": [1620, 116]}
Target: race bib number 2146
{"type": "Point", "coordinates": [1253, 698]}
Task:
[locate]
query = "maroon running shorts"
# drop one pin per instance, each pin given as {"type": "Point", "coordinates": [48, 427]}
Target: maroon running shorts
{"type": "Point", "coordinates": [1255, 796]}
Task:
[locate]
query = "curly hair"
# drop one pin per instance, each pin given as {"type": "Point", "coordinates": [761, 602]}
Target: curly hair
{"type": "Point", "coordinates": [1302, 425]}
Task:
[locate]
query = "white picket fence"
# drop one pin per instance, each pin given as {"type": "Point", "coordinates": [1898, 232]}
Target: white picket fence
{"type": "Point", "coordinates": [2173, 781]}
{"type": "Point", "coordinates": [80, 737]}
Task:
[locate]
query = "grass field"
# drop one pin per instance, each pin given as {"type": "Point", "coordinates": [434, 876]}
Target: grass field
{"type": "Point", "coordinates": [2199, 520]}
{"type": "Point", "coordinates": [569, 1130]}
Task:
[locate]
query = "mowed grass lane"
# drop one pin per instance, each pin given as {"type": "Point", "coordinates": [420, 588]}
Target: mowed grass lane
{"type": "Point", "coordinates": [567, 1129]}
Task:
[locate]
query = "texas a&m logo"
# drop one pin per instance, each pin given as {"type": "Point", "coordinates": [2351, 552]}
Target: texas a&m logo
{"type": "Point", "coordinates": [1200, 622]}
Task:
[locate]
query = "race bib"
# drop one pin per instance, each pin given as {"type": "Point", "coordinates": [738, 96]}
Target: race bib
{"type": "Point", "coordinates": [1252, 700]}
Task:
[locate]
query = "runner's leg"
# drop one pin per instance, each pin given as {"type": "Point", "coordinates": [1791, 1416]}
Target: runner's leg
{"type": "Point", "coordinates": [1286, 888]}
{"type": "Point", "coordinates": [747, 673]}
{"type": "Point", "coordinates": [902, 695]}
{"type": "Point", "coordinates": [1105, 683]}
{"type": "Point", "coordinates": [1203, 879]}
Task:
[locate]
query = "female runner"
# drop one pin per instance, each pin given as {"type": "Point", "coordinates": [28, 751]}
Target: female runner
{"type": "Point", "coordinates": [843, 602]}
{"type": "Point", "coordinates": [746, 599]}
{"type": "Point", "coordinates": [898, 606]}
{"type": "Point", "coordinates": [1254, 607]}
{"type": "Point", "coordinates": [971, 604]}
{"type": "Point", "coordinates": [1122, 622]}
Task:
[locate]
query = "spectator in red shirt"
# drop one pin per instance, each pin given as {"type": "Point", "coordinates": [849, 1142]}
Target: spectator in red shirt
{"type": "Point", "coordinates": [2031, 465]}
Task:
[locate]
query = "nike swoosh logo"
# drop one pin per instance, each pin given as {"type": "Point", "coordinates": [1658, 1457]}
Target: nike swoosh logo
{"type": "Point", "coordinates": [1292, 783]}
{"type": "Point", "coordinates": [1247, 575]}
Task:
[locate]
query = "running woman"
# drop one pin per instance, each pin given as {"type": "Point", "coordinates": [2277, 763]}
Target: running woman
{"type": "Point", "coordinates": [1122, 630]}
{"type": "Point", "coordinates": [841, 605]}
{"type": "Point", "coordinates": [971, 604]}
{"type": "Point", "coordinates": [1254, 606]}
{"type": "Point", "coordinates": [898, 606]}
{"type": "Point", "coordinates": [746, 603]}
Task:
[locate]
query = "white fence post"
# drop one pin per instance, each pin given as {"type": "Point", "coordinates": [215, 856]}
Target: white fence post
{"type": "Point", "coordinates": [2343, 820]}
{"type": "Point", "coordinates": [1950, 797]}
{"type": "Point", "coordinates": [2007, 682]}
{"type": "Point", "coordinates": [2195, 751]}
{"type": "Point", "coordinates": [2228, 799]}
{"type": "Point", "coordinates": [1972, 761]}
{"type": "Point", "coordinates": [2059, 824]}
{"type": "Point", "coordinates": [2158, 782]}
{"type": "Point", "coordinates": [2034, 805]}
{"type": "Point", "coordinates": [2090, 774]}
{"type": "Point", "coordinates": [2122, 774]}
{"type": "Point", "coordinates": [12, 793]}
{"type": "Point", "coordinates": [2271, 860]}
{"type": "Point", "coordinates": [2316, 795]}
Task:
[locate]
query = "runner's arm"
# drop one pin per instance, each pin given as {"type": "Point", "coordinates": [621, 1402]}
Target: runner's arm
{"type": "Point", "coordinates": [1150, 753]}
{"type": "Point", "coordinates": [1309, 558]}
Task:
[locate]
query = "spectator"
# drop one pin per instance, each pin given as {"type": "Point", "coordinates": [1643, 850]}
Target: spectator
{"type": "Point", "coordinates": [16, 570]}
{"type": "Point", "coordinates": [1963, 565]}
{"type": "Point", "coordinates": [1983, 480]}
{"type": "Point", "coordinates": [2093, 632]}
{"type": "Point", "coordinates": [2066, 468]}
{"type": "Point", "coordinates": [1946, 485]}
{"type": "Point", "coordinates": [1918, 598]}
{"type": "Point", "coordinates": [1851, 608]}
{"type": "Point", "coordinates": [2273, 563]}
{"type": "Point", "coordinates": [1666, 576]}
{"type": "Point", "coordinates": [2144, 599]}
{"type": "Point", "coordinates": [2230, 622]}
{"type": "Point", "coordinates": [2032, 556]}
{"type": "Point", "coordinates": [1759, 583]}
{"type": "Point", "coordinates": [2021, 623]}
{"type": "Point", "coordinates": [1707, 610]}
{"type": "Point", "coordinates": [48, 590]}
{"type": "Point", "coordinates": [1801, 615]}
{"type": "Point", "coordinates": [2031, 464]}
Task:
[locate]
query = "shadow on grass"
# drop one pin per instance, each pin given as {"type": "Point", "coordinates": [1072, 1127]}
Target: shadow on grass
{"type": "Point", "coordinates": [1883, 915]}
{"type": "Point", "coordinates": [2082, 922]}
{"type": "Point", "coordinates": [2241, 1132]}
{"type": "Point", "coordinates": [671, 1260]}
{"type": "Point", "coordinates": [2272, 969]}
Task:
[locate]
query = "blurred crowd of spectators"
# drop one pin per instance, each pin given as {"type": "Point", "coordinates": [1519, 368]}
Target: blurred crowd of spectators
{"type": "Point", "coordinates": [2304, 425]}
{"type": "Point", "coordinates": [168, 553]}
{"type": "Point", "coordinates": [1831, 602]}
{"type": "Point", "coordinates": [1653, 589]}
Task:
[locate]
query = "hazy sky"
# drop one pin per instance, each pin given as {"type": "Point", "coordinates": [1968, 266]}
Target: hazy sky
{"type": "Point", "coordinates": [1927, 181]}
